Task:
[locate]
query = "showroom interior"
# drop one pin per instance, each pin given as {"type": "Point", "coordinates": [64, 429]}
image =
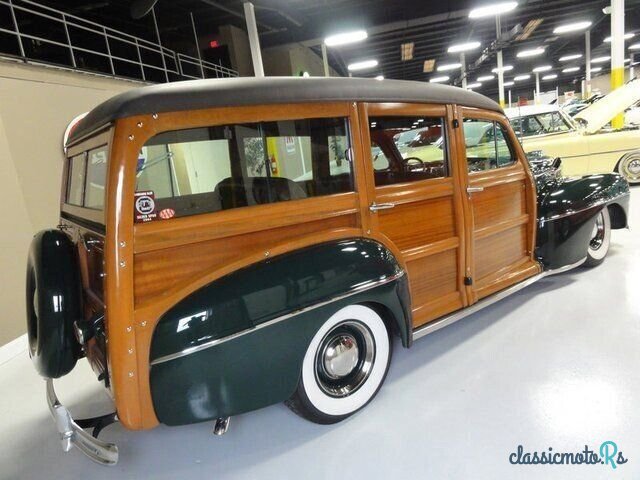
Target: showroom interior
{"type": "Point", "coordinates": [526, 116]}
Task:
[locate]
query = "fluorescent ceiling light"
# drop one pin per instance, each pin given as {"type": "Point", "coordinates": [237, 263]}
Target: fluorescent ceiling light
{"type": "Point", "coordinates": [505, 68]}
{"type": "Point", "coordinates": [635, 46]}
{"type": "Point", "coordinates": [570, 69]}
{"type": "Point", "coordinates": [508, 84]}
{"type": "Point", "coordinates": [345, 38]}
{"type": "Point", "coordinates": [573, 56]}
{"type": "Point", "coordinates": [543, 68]}
{"type": "Point", "coordinates": [463, 47]}
{"type": "Point", "coordinates": [601, 59]}
{"type": "Point", "coordinates": [530, 53]}
{"type": "Point", "coordinates": [485, 78]}
{"type": "Point", "coordinates": [443, 78]}
{"type": "Point", "coordinates": [522, 77]}
{"type": "Point", "coordinates": [572, 27]}
{"type": "Point", "coordinates": [596, 69]}
{"type": "Point", "coordinates": [493, 9]}
{"type": "Point", "coordinates": [380, 77]}
{"type": "Point", "coordinates": [362, 65]}
{"type": "Point", "coordinates": [474, 85]}
{"type": "Point", "coordinates": [627, 36]}
{"type": "Point", "coordinates": [448, 66]}
{"type": "Point", "coordinates": [550, 77]}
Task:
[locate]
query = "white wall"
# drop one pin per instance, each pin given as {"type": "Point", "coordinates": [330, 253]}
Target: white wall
{"type": "Point", "coordinates": [36, 104]}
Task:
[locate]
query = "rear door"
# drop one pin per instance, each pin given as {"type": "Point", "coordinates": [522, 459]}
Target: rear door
{"type": "Point", "coordinates": [500, 203]}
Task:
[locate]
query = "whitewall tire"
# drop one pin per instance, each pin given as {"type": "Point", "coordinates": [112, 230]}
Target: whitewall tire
{"type": "Point", "coordinates": [629, 167]}
{"type": "Point", "coordinates": [345, 364]}
{"type": "Point", "coordinates": [600, 239]}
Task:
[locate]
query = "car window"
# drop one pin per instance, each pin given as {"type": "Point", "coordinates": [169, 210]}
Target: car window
{"type": "Point", "coordinates": [552, 122]}
{"type": "Point", "coordinates": [87, 176]}
{"type": "Point", "coordinates": [405, 149]}
{"type": "Point", "coordinates": [75, 183]}
{"type": "Point", "coordinates": [204, 170]}
{"type": "Point", "coordinates": [487, 145]}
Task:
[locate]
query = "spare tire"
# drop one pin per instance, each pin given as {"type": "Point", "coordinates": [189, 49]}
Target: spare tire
{"type": "Point", "coordinates": [54, 303]}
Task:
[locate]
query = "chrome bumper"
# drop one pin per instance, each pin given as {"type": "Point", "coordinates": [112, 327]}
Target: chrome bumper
{"type": "Point", "coordinates": [72, 435]}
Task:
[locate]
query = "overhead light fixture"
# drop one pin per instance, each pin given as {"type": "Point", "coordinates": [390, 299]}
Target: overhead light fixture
{"type": "Point", "coordinates": [627, 60]}
{"type": "Point", "coordinates": [596, 69]}
{"type": "Point", "coordinates": [406, 51]}
{"type": "Point", "coordinates": [474, 85]}
{"type": "Point", "coordinates": [345, 38]}
{"type": "Point", "coordinates": [573, 56]}
{"type": "Point", "coordinates": [440, 79]}
{"type": "Point", "coordinates": [635, 46]}
{"type": "Point", "coordinates": [508, 84]}
{"type": "Point", "coordinates": [529, 29]}
{"type": "Point", "coordinates": [448, 66]}
{"type": "Point", "coordinates": [627, 36]}
{"type": "Point", "coordinates": [493, 9]}
{"type": "Point", "coordinates": [485, 78]}
{"type": "Point", "coordinates": [505, 68]}
{"type": "Point", "coordinates": [519, 78]}
{"type": "Point", "coordinates": [607, 10]}
{"type": "Point", "coordinates": [379, 77]}
{"type": "Point", "coordinates": [463, 47]}
{"type": "Point", "coordinates": [604, 59]}
{"type": "Point", "coordinates": [531, 52]}
{"type": "Point", "coordinates": [543, 68]}
{"type": "Point", "coordinates": [572, 27]}
{"type": "Point", "coordinates": [570, 69]}
{"type": "Point", "coordinates": [427, 66]}
{"type": "Point", "coordinates": [362, 65]}
{"type": "Point", "coordinates": [550, 77]}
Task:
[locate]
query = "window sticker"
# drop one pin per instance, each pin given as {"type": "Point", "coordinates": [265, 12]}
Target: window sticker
{"type": "Point", "coordinates": [167, 213]}
{"type": "Point", "coordinates": [145, 206]}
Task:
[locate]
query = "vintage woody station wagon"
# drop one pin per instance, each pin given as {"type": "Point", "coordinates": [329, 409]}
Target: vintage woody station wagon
{"type": "Point", "coordinates": [228, 244]}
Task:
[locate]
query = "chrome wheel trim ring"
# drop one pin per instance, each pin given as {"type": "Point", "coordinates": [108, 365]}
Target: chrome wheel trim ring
{"type": "Point", "coordinates": [630, 167]}
{"type": "Point", "coordinates": [598, 233]}
{"type": "Point", "coordinates": [345, 358]}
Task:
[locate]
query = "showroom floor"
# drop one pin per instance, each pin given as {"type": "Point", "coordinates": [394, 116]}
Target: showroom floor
{"type": "Point", "coordinates": [553, 366]}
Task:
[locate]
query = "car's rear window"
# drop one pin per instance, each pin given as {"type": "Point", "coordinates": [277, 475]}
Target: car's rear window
{"type": "Point", "coordinates": [202, 170]}
{"type": "Point", "coordinates": [87, 175]}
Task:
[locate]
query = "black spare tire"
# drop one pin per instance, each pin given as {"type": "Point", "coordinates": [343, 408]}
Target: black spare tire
{"type": "Point", "coordinates": [53, 303]}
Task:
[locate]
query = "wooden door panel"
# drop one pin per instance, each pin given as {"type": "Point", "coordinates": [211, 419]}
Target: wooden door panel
{"type": "Point", "coordinates": [497, 204]}
{"type": "Point", "coordinates": [498, 251]}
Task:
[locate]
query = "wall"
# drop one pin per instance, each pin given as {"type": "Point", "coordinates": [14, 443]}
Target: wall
{"type": "Point", "coordinates": [36, 104]}
{"type": "Point", "coordinates": [239, 51]}
{"type": "Point", "coordinates": [290, 60]}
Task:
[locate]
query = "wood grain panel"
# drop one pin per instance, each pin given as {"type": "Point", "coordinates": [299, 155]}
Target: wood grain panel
{"type": "Point", "coordinates": [498, 251]}
{"type": "Point", "coordinates": [415, 224]}
{"type": "Point", "coordinates": [498, 204]}
{"type": "Point", "coordinates": [433, 277]}
{"type": "Point", "coordinates": [164, 270]}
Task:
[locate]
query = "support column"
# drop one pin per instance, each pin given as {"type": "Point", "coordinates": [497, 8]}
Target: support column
{"type": "Point", "coordinates": [537, 88]}
{"type": "Point", "coordinates": [325, 60]}
{"type": "Point", "coordinates": [617, 53]}
{"type": "Point", "coordinates": [254, 40]}
{"type": "Point", "coordinates": [500, 71]}
{"type": "Point", "coordinates": [632, 74]}
{"type": "Point", "coordinates": [586, 92]}
{"type": "Point", "coordinates": [463, 69]}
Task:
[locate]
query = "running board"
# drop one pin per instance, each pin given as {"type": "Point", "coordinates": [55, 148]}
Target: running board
{"type": "Point", "coordinates": [490, 300]}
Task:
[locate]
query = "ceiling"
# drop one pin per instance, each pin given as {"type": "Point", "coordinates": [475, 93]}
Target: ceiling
{"type": "Point", "coordinates": [431, 26]}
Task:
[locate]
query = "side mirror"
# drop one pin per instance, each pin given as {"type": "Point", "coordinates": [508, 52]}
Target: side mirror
{"type": "Point", "coordinates": [557, 162]}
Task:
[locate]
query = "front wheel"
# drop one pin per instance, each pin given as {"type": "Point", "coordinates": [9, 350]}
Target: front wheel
{"type": "Point", "coordinates": [600, 239]}
{"type": "Point", "coordinates": [344, 366]}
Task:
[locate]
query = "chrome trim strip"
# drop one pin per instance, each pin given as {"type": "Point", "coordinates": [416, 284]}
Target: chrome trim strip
{"type": "Point", "coordinates": [71, 434]}
{"type": "Point", "coordinates": [496, 297]}
{"type": "Point", "coordinates": [212, 343]}
{"type": "Point", "coordinates": [568, 213]}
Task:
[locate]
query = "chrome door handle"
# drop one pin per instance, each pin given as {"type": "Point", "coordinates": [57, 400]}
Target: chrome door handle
{"type": "Point", "coordinates": [474, 189]}
{"type": "Point", "coordinates": [381, 206]}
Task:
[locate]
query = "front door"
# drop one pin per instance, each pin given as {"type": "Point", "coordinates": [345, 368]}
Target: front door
{"type": "Point", "coordinates": [415, 202]}
{"type": "Point", "coordinates": [500, 204]}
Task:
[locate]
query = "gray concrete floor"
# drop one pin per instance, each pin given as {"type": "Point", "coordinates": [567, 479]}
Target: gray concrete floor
{"type": "Point", "coordinates": [553, 366]}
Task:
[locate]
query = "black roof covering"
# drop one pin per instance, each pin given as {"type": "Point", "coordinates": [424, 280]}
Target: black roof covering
{"type": "Point", "coordinates": [225, 92]}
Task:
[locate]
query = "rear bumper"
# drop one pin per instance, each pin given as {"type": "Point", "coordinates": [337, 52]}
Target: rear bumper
{"type": "Point", "coordinates": [72, 435]}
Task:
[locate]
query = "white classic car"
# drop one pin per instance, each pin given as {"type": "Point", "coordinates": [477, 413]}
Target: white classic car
{"type": "Point", "coordinates": [586, 143]}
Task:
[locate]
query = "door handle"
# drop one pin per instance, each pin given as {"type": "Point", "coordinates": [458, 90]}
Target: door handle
{"type": "Point", "coordinates": [381, 206]}
{"type": "Point", "coordinates": [474, 189]}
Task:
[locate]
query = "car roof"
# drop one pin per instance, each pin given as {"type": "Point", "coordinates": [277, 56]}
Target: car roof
{"type": "Point", "coordinates": [525, 110]}
{"type": "Point", "coordinates": [229, 92]}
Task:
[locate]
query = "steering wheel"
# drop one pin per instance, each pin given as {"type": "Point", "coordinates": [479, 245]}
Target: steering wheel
{"type": "Point", "coordinates": [407, 166]}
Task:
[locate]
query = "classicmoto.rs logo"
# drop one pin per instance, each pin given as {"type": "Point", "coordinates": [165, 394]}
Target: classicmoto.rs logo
{"type": "Point", "coordinates": [607, 454]}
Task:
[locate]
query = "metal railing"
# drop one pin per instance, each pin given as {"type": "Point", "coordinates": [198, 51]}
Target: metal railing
{"type": "Point", "coordinates": [104, 50]}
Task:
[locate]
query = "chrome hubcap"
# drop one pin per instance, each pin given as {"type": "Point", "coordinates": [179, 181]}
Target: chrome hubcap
{"type": "Point", "coordinates": [345, 358]}
{"type": "Point", "coordinates": [631, 168]}
{"type": "Point", "coordinates": [597, 235]}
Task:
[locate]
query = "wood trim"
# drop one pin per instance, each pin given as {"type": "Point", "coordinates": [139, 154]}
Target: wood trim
{"type": "Point", "coordinates": [513, 274]}
{"type": "Point", "coordinates": [405, 109]}
{"type": "Point", "coordinates": [498, 176]}
{"type": "Point", "coordinates": [500, 227]}
{"type": "Point", "coordinates": [95, 141]}
{"type": "Point", "coordinates": [410, 192]}
{"type": "Point", "coordinates": [437, 308]}
{"type": "Point", "coordinates": [430, 249]}
{"type": "Point", "coordinates": [91, 214]}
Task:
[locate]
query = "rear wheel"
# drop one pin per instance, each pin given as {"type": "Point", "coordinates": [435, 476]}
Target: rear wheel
{"type": "Point", "coordinates": [600, 239]}
{"type": "Point", "coordinates": [629, 167]}
{"type": "Point", "coordinates": [344, 366]}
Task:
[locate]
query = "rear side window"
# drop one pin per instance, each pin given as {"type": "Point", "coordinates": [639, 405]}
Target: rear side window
{"type": "Point", "coordinates": [75, 184]}
{"type": "Point", "coordinates": [87, 176]}
{"type": "Point", "coordinates": [204, 170]}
